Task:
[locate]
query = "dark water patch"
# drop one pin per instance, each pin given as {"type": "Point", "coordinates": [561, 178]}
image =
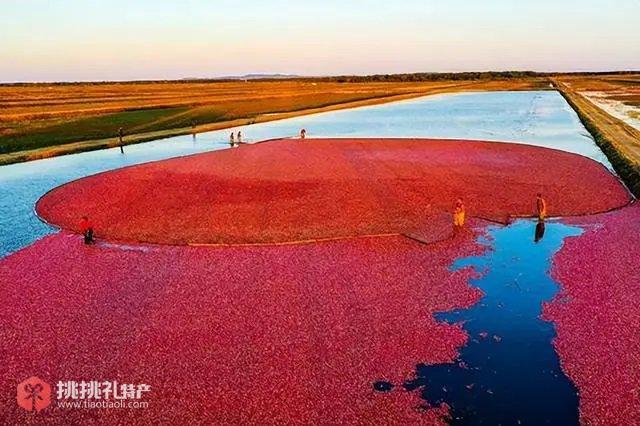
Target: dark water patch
{"type": "Point", "coordinates": [508, 373]}
{"type": "Point", "coordinates": [382, 386]}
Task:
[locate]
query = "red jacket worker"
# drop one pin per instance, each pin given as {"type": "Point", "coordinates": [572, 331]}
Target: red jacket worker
{"type": "Point", "coordinates": [86, 227]}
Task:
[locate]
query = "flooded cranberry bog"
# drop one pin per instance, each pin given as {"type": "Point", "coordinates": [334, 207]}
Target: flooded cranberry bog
{"type": "Point", "coordinates": [320, 282]}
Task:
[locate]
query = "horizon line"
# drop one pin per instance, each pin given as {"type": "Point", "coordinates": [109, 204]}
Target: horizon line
{"type": "Point", "coordinates": [286, 76]}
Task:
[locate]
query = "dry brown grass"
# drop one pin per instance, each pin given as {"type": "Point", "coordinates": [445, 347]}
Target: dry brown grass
{"type": "Point", "coordinates": [43, 101]}
{"type": "Point", "coordinates": [86, 116]}
{"type": "Point", "coordinates": [624, 88]}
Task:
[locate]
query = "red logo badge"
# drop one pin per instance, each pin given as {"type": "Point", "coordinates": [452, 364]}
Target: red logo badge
{"type": "Point", "coordinates": [34, 394]}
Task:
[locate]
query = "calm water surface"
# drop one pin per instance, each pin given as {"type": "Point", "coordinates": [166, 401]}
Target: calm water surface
{"type": "Point", "coordinates": [508, 373]}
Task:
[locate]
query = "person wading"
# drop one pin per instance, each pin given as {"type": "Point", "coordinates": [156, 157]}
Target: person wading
{"type": "Point", "coordinates": [239, 138]}
{"type": "Point", "coordinates": [458, 215]}
{"type": "Point", "coordinates": [86, 227]}
{"type": "Point", "coordinates": [303, 133]}
{"type": "Point", "coordinates": [541, 207]}
{"type": "Point", "coordinates": [232, 140]}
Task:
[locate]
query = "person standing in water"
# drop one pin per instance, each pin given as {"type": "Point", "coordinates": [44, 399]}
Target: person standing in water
{"type": "Point", "coordinates": [232, 140]}
{"type": "Point", "coordinates": [541, 207]}
{"type": "Point", "coordinates": [86, 227]}
{"type": "Point", "coordinates": [239, 138]}
{"type": "Point", "coordinates": [458, 214]}
{"type": "Point", "coordinates": [303, 133]}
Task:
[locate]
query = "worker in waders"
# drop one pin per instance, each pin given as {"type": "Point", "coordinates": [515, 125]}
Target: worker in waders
{"type": "Point", "coordinates": [458, 215]}
{"type": "Point", "coordinates": [86, 227]}
{"type": "Point", "coordinates": [541, 207]}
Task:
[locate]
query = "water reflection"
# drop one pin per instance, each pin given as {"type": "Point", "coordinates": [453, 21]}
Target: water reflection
{"type": "Point", "coordinates": [539, 233]}
{"type": "Point", "coordinates": [509, 372]}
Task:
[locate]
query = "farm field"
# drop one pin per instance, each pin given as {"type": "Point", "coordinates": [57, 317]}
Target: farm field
{"type": "Point", "coordinates": [326, 189]}
{"type": "Point", "coordinates": [263, 268]}
{"type": "Point", "coordinates": [618, 95]}
{"type": "Point", "coordinates": [320, 213]}
{"type": "Point", "coordinates": [35, 119]}
{"type": "Point", "coordinates": [613, 129]}
{"type": "Point", "coordinates": [357, 317]}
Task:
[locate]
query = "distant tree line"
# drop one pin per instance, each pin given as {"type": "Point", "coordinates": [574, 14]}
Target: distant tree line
{"type": "Point", "coordinates": [440, 76]}
{"type": "Point", "coordinates": [408, 77]}
{"type": "Point", "coordinates": [456, 76]}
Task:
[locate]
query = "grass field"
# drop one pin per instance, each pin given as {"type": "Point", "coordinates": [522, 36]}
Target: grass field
{"type": "Point", "coordinates": [36, 117]}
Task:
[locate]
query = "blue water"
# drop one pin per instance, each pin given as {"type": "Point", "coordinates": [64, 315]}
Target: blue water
{"type": "Point", "coordinates": [508, 373]}
{"type": "Point", "coordinates": [539, 118]}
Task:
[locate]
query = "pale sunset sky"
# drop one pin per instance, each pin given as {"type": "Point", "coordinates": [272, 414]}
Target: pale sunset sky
{"type": "Point", "coordinates": [78, 40]}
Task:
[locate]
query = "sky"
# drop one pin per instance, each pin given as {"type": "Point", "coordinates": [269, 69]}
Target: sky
{"type": "Point", "coordinates": [83, 40]}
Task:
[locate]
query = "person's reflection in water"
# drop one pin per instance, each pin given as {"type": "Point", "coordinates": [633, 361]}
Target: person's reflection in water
{"type": "Point", "coordinates": [539, 231]}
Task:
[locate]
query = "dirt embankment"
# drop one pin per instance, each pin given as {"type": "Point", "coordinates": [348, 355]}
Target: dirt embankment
{"type": "Point", "coordinates": [619, 141]}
